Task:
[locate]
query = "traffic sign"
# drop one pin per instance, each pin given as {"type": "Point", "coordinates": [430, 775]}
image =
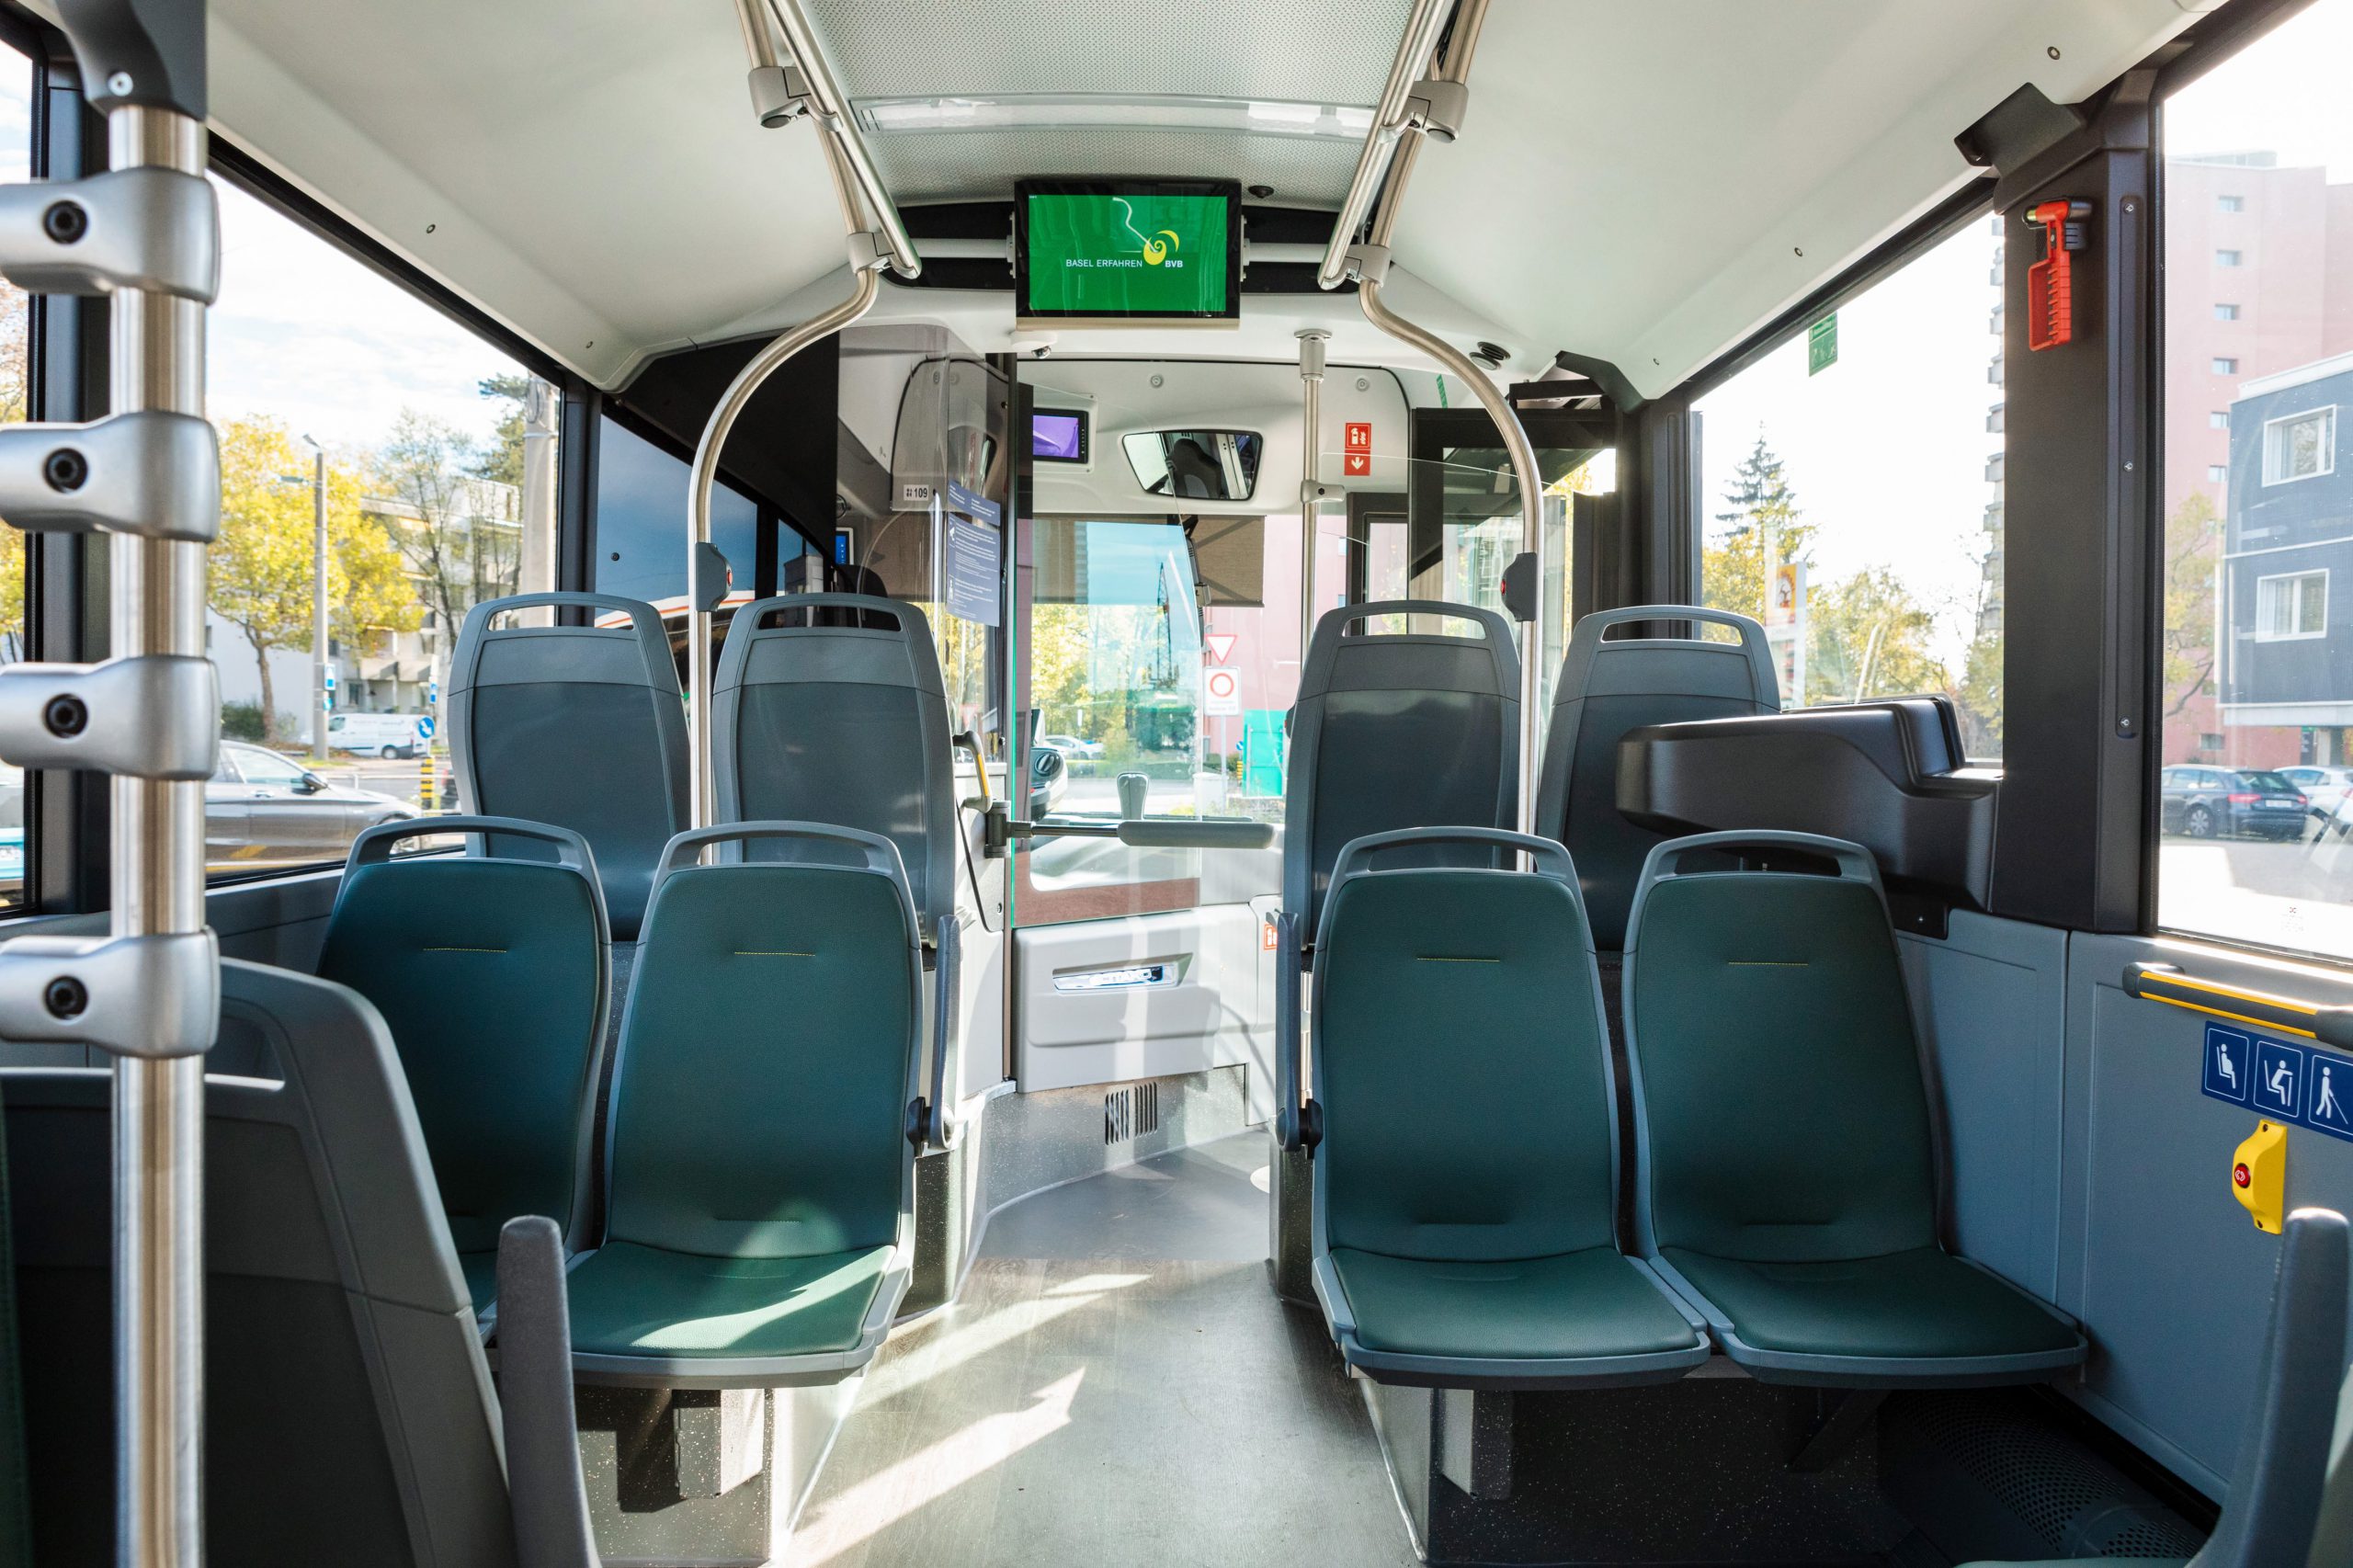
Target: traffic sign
{"type": "Point", "coordinates": [424, 727]}
{"type": "Point", "coordinates": [1221, 694]}
{"type": "Point", "coordinates": [432, 692]}
{"type": "Point", "coordinates": [1220, 645]}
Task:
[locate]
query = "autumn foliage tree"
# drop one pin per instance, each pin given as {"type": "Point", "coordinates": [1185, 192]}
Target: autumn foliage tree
{"type": "Point", "coordinates": [263, 571]}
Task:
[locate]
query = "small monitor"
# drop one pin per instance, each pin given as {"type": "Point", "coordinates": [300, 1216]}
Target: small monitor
{"type": "Point", "coordinates": [1127, 253]}
{"type": "Point", "coordinates": [1057, 435]}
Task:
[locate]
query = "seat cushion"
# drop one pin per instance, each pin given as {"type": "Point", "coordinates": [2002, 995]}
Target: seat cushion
{"type": "Point", "coordinates": [1578, 1304]}
{"type": "Point", "coordinates": [639, 1300]}
{"type": "Point", "coordinates": [1919, 1304]}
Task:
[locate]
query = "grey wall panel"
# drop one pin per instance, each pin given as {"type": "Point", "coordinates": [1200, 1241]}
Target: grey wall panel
{"type": "Point", "coordinates": [1991, 1001]}
{"type": "Point", "coordinates": [2157, 1257]}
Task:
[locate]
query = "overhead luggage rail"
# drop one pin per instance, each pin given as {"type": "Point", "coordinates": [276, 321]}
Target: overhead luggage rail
{"type": "Point", "coordinates": [146, 234]}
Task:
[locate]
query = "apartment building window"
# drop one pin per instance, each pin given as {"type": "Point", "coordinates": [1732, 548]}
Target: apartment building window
{"type": "Point", "coordinates": [2291, 605]}
{"type": "Point", "coordinates": [2230, 204]}
{"type": "Point", "coordinates": [2225, 366]}
{"type": "Point", "coordinates": [2219, 419]}
{"type": "Point", "coordinates": [2227, 313]}
{"type": "Point", "coordinates": [2218, 473]}
{"type": "Point", "coordinates": [2299, 446]}
{"type": "Point", "coordinates": [2226, 258]}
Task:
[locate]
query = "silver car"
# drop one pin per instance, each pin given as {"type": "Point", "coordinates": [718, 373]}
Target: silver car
{"type": "Point", "coordinates": [264, 808]}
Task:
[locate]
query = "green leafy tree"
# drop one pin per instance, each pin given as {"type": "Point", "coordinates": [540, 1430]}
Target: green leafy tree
{"type": "Point", "coordinates": [1868, 636]}
{"type": "Point", "coordinates": [430, 469]}
{"type": "Point", "coordinates": [1761, 521]}
{"type": "Point", "coordinates": [502, 461]}
{"type": "Point", "coordinates": [263, 565]}
{"type": "Point", "coordinates": [2193, 548]}
{"type": "Point", "coordinates": [15, 322]}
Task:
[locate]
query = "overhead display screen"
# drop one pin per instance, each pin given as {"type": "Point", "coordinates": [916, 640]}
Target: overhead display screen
{"type": "Point", "coordinates": [1123, 252]}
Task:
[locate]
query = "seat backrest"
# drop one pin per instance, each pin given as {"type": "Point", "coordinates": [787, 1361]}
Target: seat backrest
{"type": "Point", "coordinates": [492, 975]}
{"type": "Point", "coordinates": [1398, 730]}
{"type": "Point", "coordinates": [349, 1413]}
{"type": "Point", "coordinates": [2282, 1470]}
{"type": "Point", "coordinates": [580, 726]}
{"type": "Point", "coordinates": [1460, 1059]}
{"type": "Point", "coordinates": [769, 1054]}
{"type": "Point", "coordinates": [1609, 686]}
{"type": "Point", "coordinates": [842, 723]}
{"type": "Point", "coordinates": [1781, 1108]}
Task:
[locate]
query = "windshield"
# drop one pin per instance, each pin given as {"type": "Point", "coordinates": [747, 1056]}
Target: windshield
{"type": "Point", "coordinates": [2267, 780]}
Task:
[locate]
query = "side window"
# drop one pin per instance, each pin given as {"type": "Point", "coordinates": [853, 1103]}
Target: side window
{"type": "Point", "coordinates": [2257, 494]}
{"type": "Point", "coordinates": [1852, 492]}
{"type": "Point", "coordinates": [16, 320]}
{"type": "Point", "coordinates": [426, 457]}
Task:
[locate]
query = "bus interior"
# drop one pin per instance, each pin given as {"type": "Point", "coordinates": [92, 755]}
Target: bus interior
{"type": "Point", "coordinates": [864, 782]}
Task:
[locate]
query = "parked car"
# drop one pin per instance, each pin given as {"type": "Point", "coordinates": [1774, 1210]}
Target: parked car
{"type": "Point", "coordinates": [2237, 803]}
{"type": "Point", "coordinates": [1074, 748]}
{"type": "Point", "coordinates": [12, 833]}
{"type": "Point", "coordinates": [262, 808]}
{"type": "Point", "coordinates": [386, 735]}
{"type": "Point", "coordinates": [2323, 787]}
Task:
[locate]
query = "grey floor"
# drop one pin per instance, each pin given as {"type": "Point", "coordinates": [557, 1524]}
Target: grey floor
{"type": "Point", "coordinates": [1117, 1384]}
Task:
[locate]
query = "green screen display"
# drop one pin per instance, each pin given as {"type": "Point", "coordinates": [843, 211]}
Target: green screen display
{"type": "Point", "coordinates": [1096, 255]}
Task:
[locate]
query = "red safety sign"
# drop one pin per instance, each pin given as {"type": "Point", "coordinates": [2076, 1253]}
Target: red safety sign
{"type": "Point", "coordinates": [1356, 453]}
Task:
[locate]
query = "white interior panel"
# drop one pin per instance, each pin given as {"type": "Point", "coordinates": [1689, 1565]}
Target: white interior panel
{"type": "Point", "coordinates": [1212, 1012]}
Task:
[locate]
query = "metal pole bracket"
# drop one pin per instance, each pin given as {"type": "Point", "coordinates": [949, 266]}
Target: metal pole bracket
{"type": "Point", "coordinates": [1367, 264]}
{"type": "Point", "coordinates": [868, 251]}
{"type": "Point", "coordinates": [146, 997]}
{"type": "Point", "coordinates": [1435, 107]}
{"type": "Point", "coordinates": [779, 95]}
{"type": "Point", "coordinates": [151, 474]}
{"type": "Point", "coordinates": [155, 229]}
{"type": "Point", "coordinates": [154, 715]}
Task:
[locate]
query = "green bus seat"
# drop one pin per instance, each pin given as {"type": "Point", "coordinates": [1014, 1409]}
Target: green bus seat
{"type": "Point", "coordinates": [760, 1143]}
{"type": "Point", "coordinates": [493, 975]}
{"type": "Point", "coordinates": [581, 726]}
{"type": "Point", "coordinates": [2291, 1488]}
{"type": "Point", "coordinates": [1610, 685]}
{"type": "Point", "coordinates": [1465, 1186]}
{"type": "Point", "coordinates": [350, 1417]}
{"type": "Point", "coordinates": [1785, 1175]}
{"type": "Point", "coordinates": [16, 1524]}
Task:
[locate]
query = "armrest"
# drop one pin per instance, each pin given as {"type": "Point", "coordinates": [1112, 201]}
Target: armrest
{"type": "Point", "coordinates": [549, 1502]}
{"type": "Point", "coordinates": [947, 1039]}
{"type": "Point", "coordinates": [1297, 1125]}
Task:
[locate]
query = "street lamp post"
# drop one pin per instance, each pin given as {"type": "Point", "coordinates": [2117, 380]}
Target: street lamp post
{"type": "Point", "coordinates": [321, 697]}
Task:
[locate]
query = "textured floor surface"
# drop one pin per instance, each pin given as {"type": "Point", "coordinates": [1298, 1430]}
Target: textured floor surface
{"type": "Point", "coordinates": [1116, 1385]}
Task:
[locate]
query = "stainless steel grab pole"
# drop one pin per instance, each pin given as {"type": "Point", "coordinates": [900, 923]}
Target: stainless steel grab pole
{"type": "Point", "coordinates": [1423, 27]}
{"type": "Point", "coordinates": [702, 791]}
{"type": "Point", "coordinates": [831, 110]}
{"type": "Point", "coordinates": [158, 887]}
{"type": "Point", "coordinates": [1311, 481]}
{"type": "Point", "coordinates": [1526, 473]}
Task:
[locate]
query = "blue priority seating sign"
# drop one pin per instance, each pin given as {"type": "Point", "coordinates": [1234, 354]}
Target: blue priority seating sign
{"type": "Point", "coordinates": [2291, 1082]}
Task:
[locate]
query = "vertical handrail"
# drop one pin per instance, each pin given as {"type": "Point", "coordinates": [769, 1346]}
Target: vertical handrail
{"type": "Point", "coordinates": [1456, 67]}
{"type": "Point", "coordinates": [858, 192]}
{"type": "Point", "coordinates": [159, 888]}
{"type": "Point", "coordinates": [1422, 28]}
{"type": "Point", "coordinates": [1310, 479]}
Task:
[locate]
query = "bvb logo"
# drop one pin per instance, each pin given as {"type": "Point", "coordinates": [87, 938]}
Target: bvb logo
{"type": "Point", "coordinates": [1154, 253]}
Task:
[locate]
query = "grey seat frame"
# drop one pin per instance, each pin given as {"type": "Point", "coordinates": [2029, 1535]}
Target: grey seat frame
{"type": "Point", "coordinates": [1547, 858]}
{"type": "Point", "coordinates": [881, 858]}
{"type": "Point", "coordinates": [1854, 863]}
{"type": "Point", "coordinates": [374, 847]}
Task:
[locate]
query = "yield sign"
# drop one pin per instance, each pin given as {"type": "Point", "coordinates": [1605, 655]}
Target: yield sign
{"type": "Point", "coordinates": [1221, 645]}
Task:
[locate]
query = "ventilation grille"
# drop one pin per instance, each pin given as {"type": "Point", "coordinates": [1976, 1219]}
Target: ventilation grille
{"type": "Point", "coordinates": [1131, 1113]}
{"type": "Point", "coordinates": [2074, 1502]}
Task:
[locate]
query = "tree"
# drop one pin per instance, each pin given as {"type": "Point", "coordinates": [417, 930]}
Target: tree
{"type": "Point", "coordinates": [1762, 521]}
{"type": "Point", "coordinates": [501, 462]}
{"type": "Point", "coordinates": [1868, 636]}
{"type": "Point", "coordinates": [459, 557]}
{"type": "Point", "coordinates": [263, 564]}
{"type": "Point", "coordinates": [2193, 545]}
